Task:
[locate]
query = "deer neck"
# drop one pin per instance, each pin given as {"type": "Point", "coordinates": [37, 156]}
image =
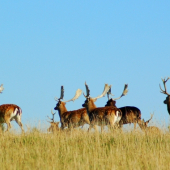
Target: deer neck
{"type": "Point", "coordinates": [91, 107]}
{"type": "Point", "coordinates": [62, 110]}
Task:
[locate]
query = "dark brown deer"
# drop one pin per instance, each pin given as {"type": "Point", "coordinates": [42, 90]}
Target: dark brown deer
{"type": "Point", "coordinates": [130, 114]}
{"type": "Point", "coordinates": [102, 115]}
{"type": "Point", "coordinates": [144, 126]}
{"type": "Point", "coordinates": [73, 118]}
{"type": "Point", "coordinates": [9, 112]}
{"type": "Point", "coordinates": [54, 125]}
{"type": "Point", "coordinates": [167, 100]}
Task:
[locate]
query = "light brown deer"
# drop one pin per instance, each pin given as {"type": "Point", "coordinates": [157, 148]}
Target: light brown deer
{"type": "Point", "coordinates": [54, 127]}
{"type": "Point", "coordinates": [130, 114]}
{"type": "Point", "coordinates": [73, 118]}
{"type": "Point", "coordinates": [102, 115]}
{"type": "Point", "coordinates": [144, 126]}
{"type": "Point", "coordinates": [167, 100]}
{"type": "Point", "coordinates": [9, 112]}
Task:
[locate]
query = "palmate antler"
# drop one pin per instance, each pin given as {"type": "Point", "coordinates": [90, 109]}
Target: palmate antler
{"type": "Point", "coordinates": [125, 91]}
{"type": "Point", "coordinates": [1, 88]}
{"type": "Point", "coordinates": [77, 95]}
{"type": "Point", "coordinates": [61, 95]}
{"type": "Point", "coordinates": [87, 91]}
{"type": "Point", "coordinates": [164, 82]}
{"type": "Point", "coordinates": [106, 89]}
{"type": "Point", "coordinates": [109, 92]}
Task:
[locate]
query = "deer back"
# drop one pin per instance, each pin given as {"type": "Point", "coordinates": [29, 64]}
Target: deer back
{"type": "Point", "coordinates": [9, 111]}
{"type": "Point", "coordinates": [130, 114]}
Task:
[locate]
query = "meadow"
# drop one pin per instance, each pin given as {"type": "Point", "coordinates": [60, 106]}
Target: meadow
{"type": "Point", "coordinates": [79, 149]}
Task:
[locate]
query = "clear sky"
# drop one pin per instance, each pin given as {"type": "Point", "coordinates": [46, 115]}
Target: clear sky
{"type": "Point", "coordinates": [46, 44]}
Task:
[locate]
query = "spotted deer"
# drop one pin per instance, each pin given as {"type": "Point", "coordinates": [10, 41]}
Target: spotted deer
{"type": "Point", "coordinates": [54, 127]}
{"type": "Point", "coordinates": [100, 116]}
{"type": "Point", "coordinates": [73, 118]}
{"type": "Point", "coordinates": [130, 114]}
{"type": "Point", "coordinates": [9, 112]}
{"type": "Point", "coordinates": [167, 100]}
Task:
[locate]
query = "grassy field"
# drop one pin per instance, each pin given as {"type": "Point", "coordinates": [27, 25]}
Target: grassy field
{"type": "Point", "coordinates": [77, 149]}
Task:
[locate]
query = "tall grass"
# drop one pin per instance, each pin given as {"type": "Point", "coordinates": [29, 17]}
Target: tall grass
{"type": "Point", "coordinates": [77, 149]}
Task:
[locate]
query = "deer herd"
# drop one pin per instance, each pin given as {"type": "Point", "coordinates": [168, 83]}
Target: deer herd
{"type": "Point", "coordinates": [108, 115]}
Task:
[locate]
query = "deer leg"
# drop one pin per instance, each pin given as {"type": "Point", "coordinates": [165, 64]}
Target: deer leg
{"type": "Point", "coordinates": [18, 121]}
{"type": "Point", "coordinates": [8, 125]}
{"type": "Point", "coordinates": [134, 125]}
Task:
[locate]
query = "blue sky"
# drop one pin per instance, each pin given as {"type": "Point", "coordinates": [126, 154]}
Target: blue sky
{"type": "Point", "coordinates": [46, 44]}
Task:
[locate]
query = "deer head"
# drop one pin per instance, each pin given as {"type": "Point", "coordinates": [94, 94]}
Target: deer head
{"type": "Point", "coordinates": [112, 102]}
{"type": "Point", "coordinates": [89, 102]}
{"type": "Point", "coordinates": [143, 125]}
{"type": "Point", "coordinates": [167, 100]}
{"type": "Point", "coordinates": [54, 125]}
{"type": "Point", "coordinates": [62, 103]}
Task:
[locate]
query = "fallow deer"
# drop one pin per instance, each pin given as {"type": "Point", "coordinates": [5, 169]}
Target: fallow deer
{"type": "Point", "coordinates": [73, 118]}
{"type": "Point", "coordinates": [167, 100]}
{"type": "Point", "coordinates": [144, 126]}
{"type": "Point", "coordinates": [102, 115]}
{"type": "Point", "coordinates": [54, 125]}
{"type": "Point", "coordinates": [9, 112]}
{"type": "Point", "coordinates": [130, 114]}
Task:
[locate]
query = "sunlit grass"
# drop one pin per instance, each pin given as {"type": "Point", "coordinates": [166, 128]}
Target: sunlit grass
{"type": "Point", "coordinates": [78, 149]}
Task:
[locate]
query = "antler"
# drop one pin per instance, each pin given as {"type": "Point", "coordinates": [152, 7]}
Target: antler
{"type": "Point", "coordinates": [53, 115]}
{"type": "Point", "coordinates": [164, 82]}
{"type": "Point", "coordinates": [61, 95]}
{"type": "Point", "coordinates": [87, 91]}
{"type": "Point", "coordinates": [125, 91]}
{"type": "Point", "coordinates": [106, 89]}
{"type": "Point", "coordinates": [77, 95]}
{"type": "Point", "coordinates": [1, 88]}
{"type": "Point", "coordinates": [109, 92]}
{"type": "Point", "coordinates": [150, 118]}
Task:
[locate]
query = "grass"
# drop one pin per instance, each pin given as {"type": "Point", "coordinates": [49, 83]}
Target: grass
{"type": "Point", "coordinates": [78, 149]}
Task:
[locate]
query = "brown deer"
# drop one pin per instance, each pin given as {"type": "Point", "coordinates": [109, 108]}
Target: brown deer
{"type": "Point", "coordinates": [130, 114]}
{"type": "Point", "coordinates": [102, 115]}
{"type": "Point", "coordinates": [167, 100]}
{"type": "Point", "coordinates": [54, 125]}
{"type": "Point", "coordinates": [9, 112]}
{"type": "Point", "coordinates": [144, 126]}
{"type": "Point", "coordinates": [73, 118]}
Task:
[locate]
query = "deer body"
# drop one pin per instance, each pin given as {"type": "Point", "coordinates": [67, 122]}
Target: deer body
{"type": "Point", "coordinates": [130, 114]}
{"type": "Point", "coordinates": [73, 118]}
{"type": "Point", "coordinates": [9, 112]}
{"type": "Point", "coordinates": [102, 115]}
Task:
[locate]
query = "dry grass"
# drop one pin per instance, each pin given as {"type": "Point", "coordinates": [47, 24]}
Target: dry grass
{"type": "Point", "coordinates": [77, 149]}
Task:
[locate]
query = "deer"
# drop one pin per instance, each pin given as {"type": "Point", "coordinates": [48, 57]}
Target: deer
{"type": "Point", "coordinates": [74, 118]}
{"type": "Point", "coordinates": [100, 115]}
{"type": "Point", "coordinates": [130, 114]}
{"type": "Point", "coordinates": [167, 100]}
{"type": "Point", "coordinates": [9, 112]}
{"type": "Point", "coordinates": [54, 125]}
{"type": "Point", "coordinates": [144, 126]}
